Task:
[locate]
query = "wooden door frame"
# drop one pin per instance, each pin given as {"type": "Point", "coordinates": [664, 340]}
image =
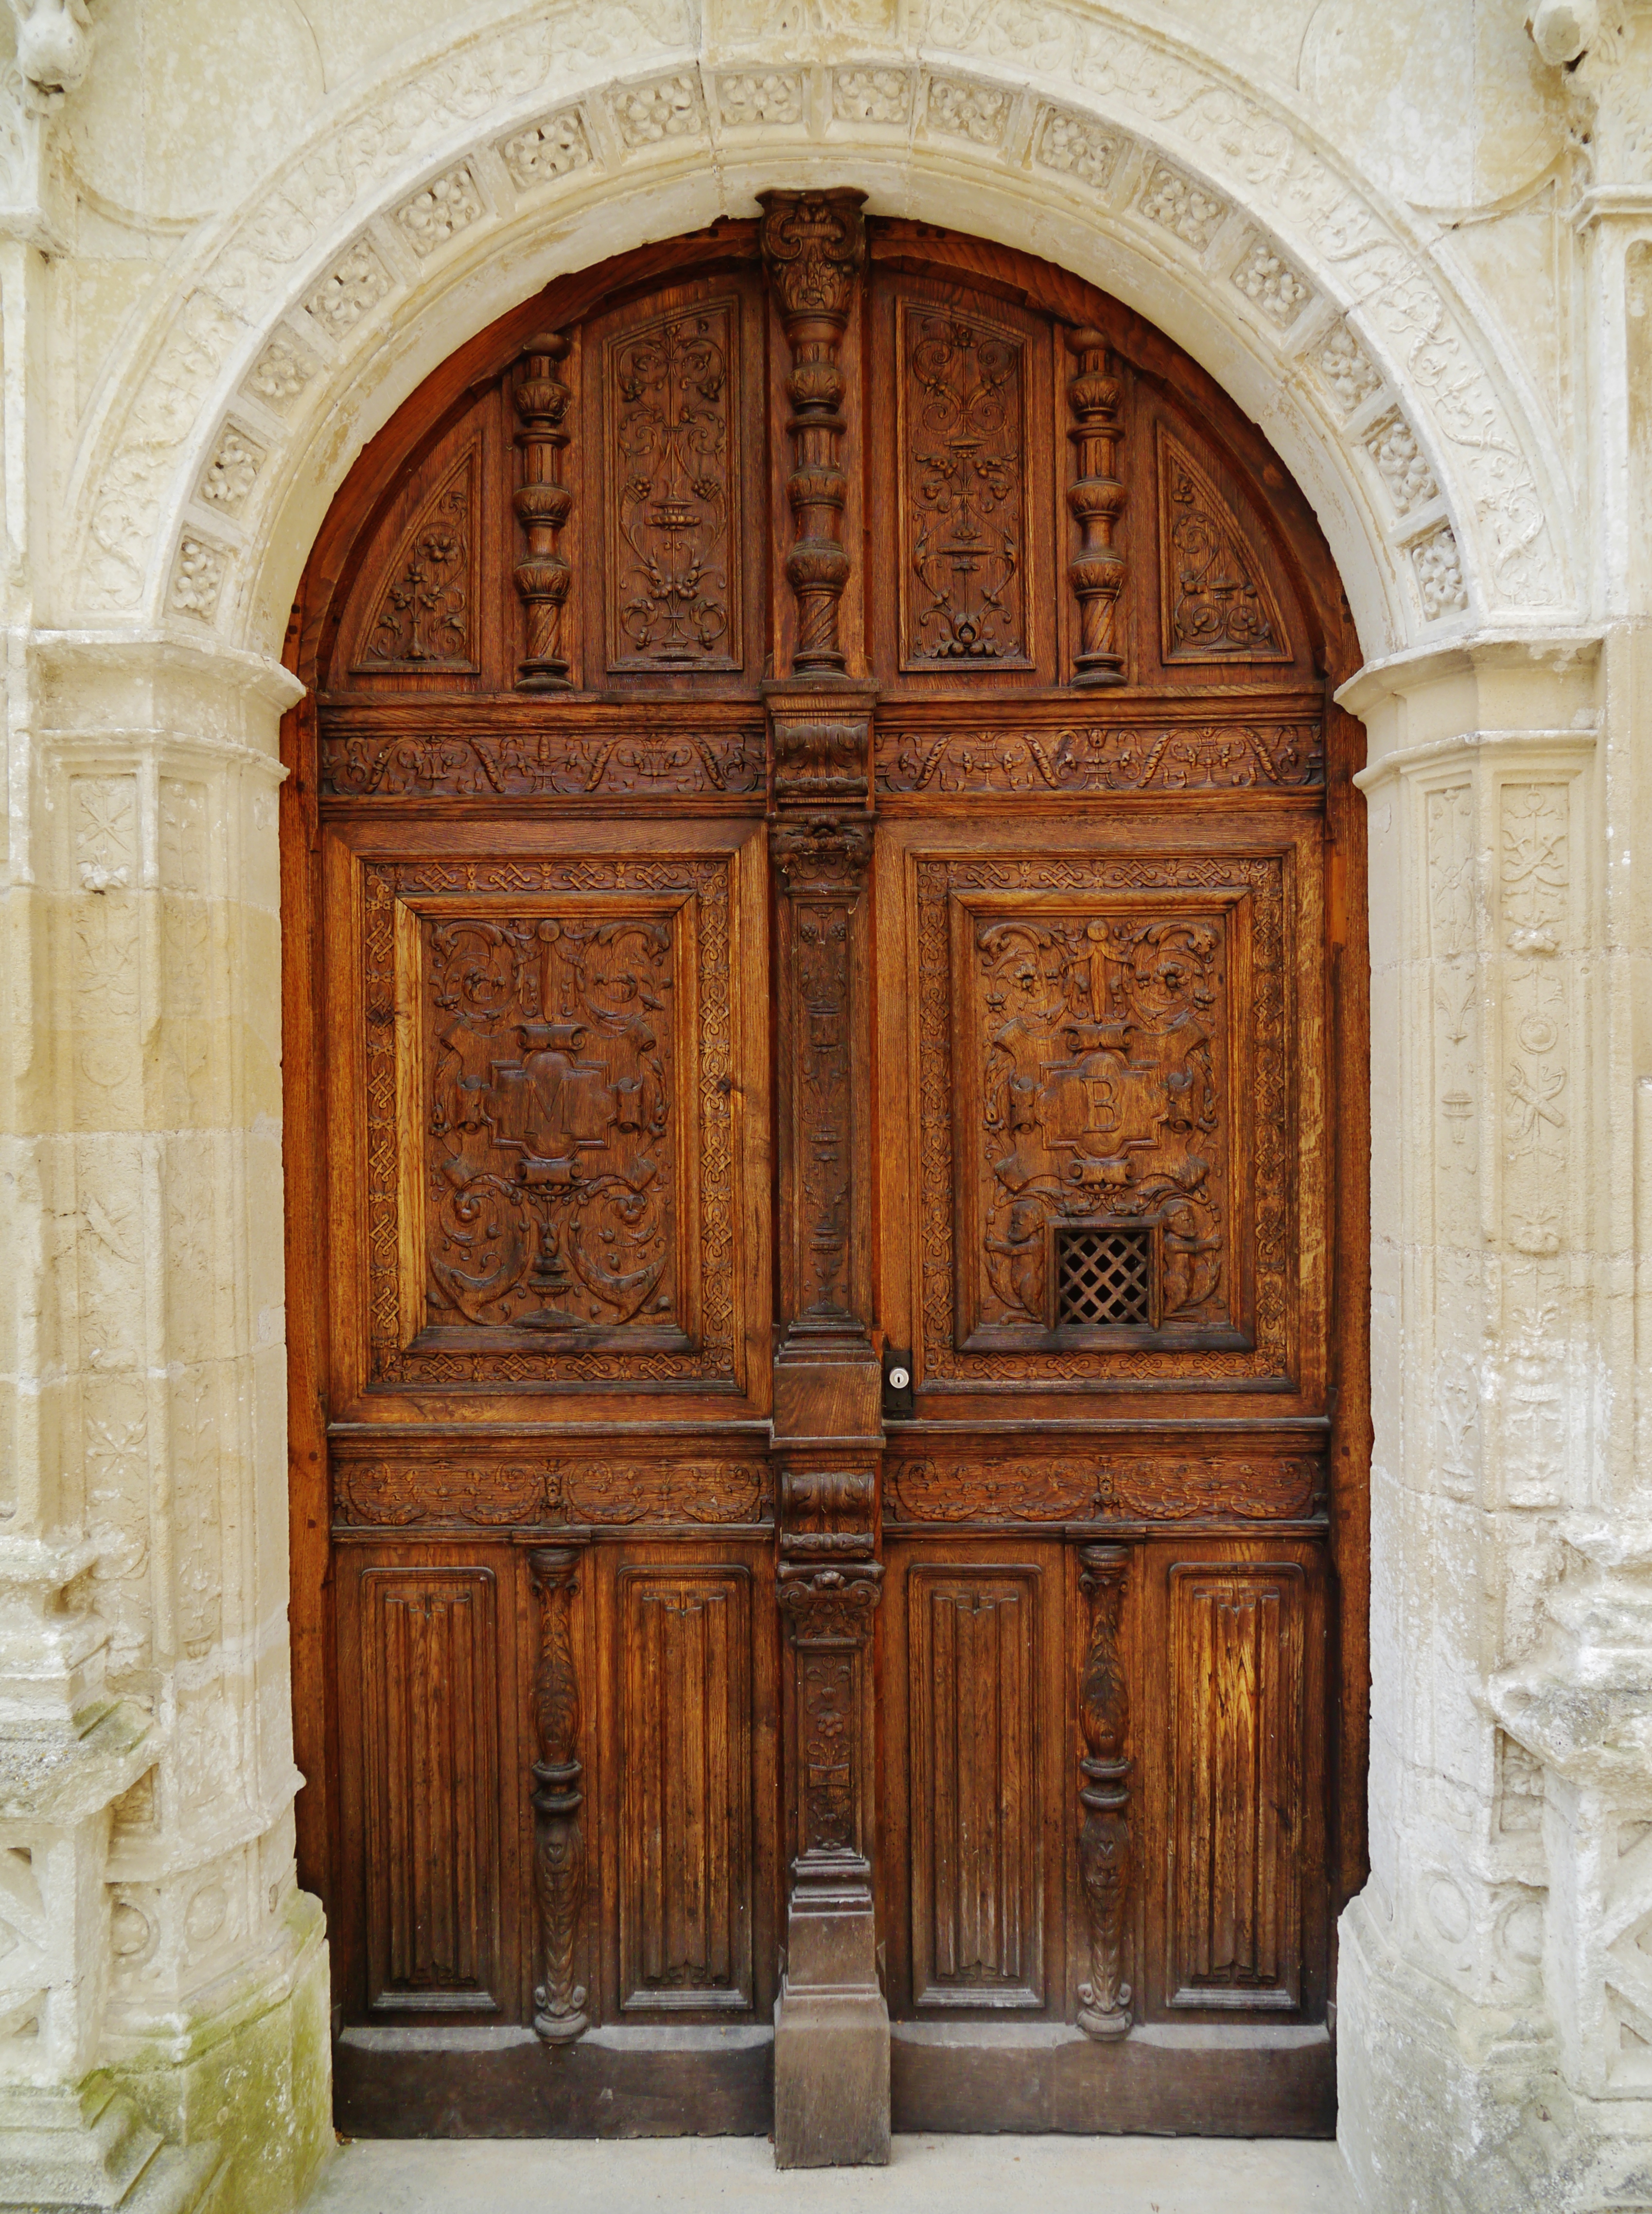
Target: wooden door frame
{"type": "Point", "coordinates": [303, 1050]}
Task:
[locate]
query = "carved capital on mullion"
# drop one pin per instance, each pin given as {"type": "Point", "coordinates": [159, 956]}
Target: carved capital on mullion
{"type": "Point", "coordinates": [814, 248]}
{"type": "Point", "coordinates": [543, 502]}
{"type": "Point", "coordinates": [557, 1796]}
{"type": "Point", "coordinates": [1096, 498]}
{"type": "Point", "coordinates": [1103, 1796]}
{"type": "Point", "coordinates": [819, 855]}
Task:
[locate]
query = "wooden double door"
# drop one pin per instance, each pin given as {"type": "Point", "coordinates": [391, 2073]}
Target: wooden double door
{"type": "Point", "coordinates": [824, 1059]}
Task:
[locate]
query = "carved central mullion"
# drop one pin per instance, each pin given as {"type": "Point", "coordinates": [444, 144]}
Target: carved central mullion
{"type": "Point", "coordinates": [825, 1137]}
{"type": "Point", "coordinates": [814, 249]}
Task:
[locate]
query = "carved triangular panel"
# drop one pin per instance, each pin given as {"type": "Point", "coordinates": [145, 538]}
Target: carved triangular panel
{"type": "Point", "coordinates": [1215, 600]}
{"type": "Point", "coordinates": [424, 618]}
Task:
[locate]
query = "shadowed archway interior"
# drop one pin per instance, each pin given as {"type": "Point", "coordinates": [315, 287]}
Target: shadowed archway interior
{"type": "Point", "coordinates": [826, 1040]}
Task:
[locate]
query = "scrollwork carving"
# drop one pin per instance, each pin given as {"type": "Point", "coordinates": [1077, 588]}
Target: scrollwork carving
{"type": "Point", "coordinates": [674, 560]}
{"type": "Point", "coordinates": [551, 1156]}
{"type": "Point", "coordinates": [962, 471]}
{"type": "Point", "coordinates": [1193, 1203]}
{"type": "Point", "coordinates": [1216, 601]}
{"type": "Point", "coordinates": [1159, 757]}
{"type": "Point", "coordinates": [1073, 1488]}
{"type": "Point", "coordinates": [572, 764]}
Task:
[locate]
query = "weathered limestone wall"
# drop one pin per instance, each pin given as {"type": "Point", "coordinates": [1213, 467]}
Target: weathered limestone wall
{"type": "Point", "coordinates": [1416, 243]}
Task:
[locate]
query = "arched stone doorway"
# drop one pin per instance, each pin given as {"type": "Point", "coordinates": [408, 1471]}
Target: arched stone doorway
{"type": "Point", "coordinates": [825, 1038]}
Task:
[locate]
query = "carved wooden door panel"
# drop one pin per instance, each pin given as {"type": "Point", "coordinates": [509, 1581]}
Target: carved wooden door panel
{"type": "Point", "coordinates": [824, 1018]}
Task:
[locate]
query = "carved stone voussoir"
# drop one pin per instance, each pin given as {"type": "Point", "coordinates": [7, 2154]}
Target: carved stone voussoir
{"type": "Point", "coordinates": [822, 854]}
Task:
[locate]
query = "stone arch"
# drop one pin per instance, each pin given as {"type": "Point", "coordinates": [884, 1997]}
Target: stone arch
{"type": "Point", "coordinates": [416, 212]}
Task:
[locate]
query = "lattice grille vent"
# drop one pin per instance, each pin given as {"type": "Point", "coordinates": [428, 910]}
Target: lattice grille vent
{"type": "Point", "coordinates": [1103, 1277]}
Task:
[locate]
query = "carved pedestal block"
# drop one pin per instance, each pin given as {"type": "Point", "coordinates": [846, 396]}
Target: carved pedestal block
{"type": "Point", "coordinates": [831, 2025]}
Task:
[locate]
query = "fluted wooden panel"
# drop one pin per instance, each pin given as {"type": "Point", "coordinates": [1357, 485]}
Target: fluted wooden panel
{"type": "Point", "coordinates": [978, 1884]}
{"type": "Point", "coordinates": [685, 1841]}
{"type": "Point", "coordinates": [1237, 1785]}
{"type": "Point", "coordinates": [430, 1671]}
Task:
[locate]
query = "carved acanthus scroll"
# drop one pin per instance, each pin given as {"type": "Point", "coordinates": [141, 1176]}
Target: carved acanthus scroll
{"type": "Point", "coordinates": [1216, 601]}
{"type": "Point", "coordinates": [558, 1796]}
{"type": "Point", "coordinates": [542, 502]}
{"type": "Point", "coordinates": [1103, 1796]}
{"type": "Point", "coordinates": [962, 492]}
{"type": "Point", "coordinates": [674, 569]}
{"type": "Point", "coordinates": [1097, 499]}
{"type": "Point", "coordinates": [814, 245]}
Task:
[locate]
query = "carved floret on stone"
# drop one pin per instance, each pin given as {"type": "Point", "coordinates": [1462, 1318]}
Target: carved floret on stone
{"type": "Point", "coordinates": [546, 150]}
{"type": "Point", "coordinates": [198, 578]}
{"type": "Point", "coordinates": [1440, 573]}
{"type": "Point", "coordinates": [232, 472]}
{"type": "Point", "coordinates": [1268, 281]}
{"type": "Point", "coordinates": [444, 208]}
{"type": "Point", "coordinates": [968, 111]}
{"type": "Point", "coordinates": [872, 95]}
{"type": "Point", "coordinates": [281, 373]}
{"type": "Point", "coordinates": [1179, 205]}
{"type": "Point", "coordinates": [1078, 149]}
{"type": "Point", "coordinates": [1391, 444]}
{"type": "Point", "coordinates": [1342, 363]}
{"type": "Point", "coordinates": [772, 96]}
{"type": "Point", "coordinates": [649, 112]}
{"type": "Point", "coordinates": [359, 284]}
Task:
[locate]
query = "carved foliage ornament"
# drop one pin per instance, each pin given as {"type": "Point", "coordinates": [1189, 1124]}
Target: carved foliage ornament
{"type": "Point", "coordinates": [1159, 1073]}
{"type": "Point", "coordinates": [424, 615]}
{"type": "Point", "coordinates": [550, 1151]}
{"type": "Point", "coordinates": [553, 1149]}
{"type": "Point", "coordinates": [1079, 1489]}
{"type": "Point", "coordinates": [572, 764]}
{"type": "Point", "coordinates": [380, 1493]}
{"type": "Point", "coordinates": [962, 470]}
{"type": "Point", "coordinates": [673, 570]}
{"type": "Point", "coordinates": [1161, 757]}
{"type": "Point", "coordinates": [1102, 1042]}
{"type": "Point", "coordinates": [1215, 600]}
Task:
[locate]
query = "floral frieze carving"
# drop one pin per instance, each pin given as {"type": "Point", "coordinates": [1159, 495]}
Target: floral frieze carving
{"type": "Point", "coordinates": [383, 1494]}
{"type": "Point", "coordinates": [1078, 1488]}
{"type": "Point", "coordinates": [1162, 757]}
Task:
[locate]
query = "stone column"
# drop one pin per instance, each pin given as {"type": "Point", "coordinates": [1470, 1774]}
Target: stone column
{"type": "Point", "coordinates": [1495, 2017]}
{"type": "Point", "coordinates": [163, 1998]}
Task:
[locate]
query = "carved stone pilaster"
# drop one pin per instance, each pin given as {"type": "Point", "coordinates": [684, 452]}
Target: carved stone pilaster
{"type": "Point", "coordinates": [541, 501]}
{"type": "Point", "coordinates": [814, 248]}
{"type": "Point", "coordinates": [558, 1796]}
{"type": "Point", "coordinates": [1103, 1796]}
{"type": "Point", "coordinates": [1096, 498]}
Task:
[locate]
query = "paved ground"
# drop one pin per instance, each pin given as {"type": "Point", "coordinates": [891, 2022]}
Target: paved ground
{"type": "Point", "coordinates": [930, 2175]}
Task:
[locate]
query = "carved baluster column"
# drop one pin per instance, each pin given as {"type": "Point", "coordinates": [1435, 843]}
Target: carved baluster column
{"type": "Point", "coordinates": [1104, 1795]}
{"type": "Point", "coordinates": [1096, 498]}
{"type": "Point", "coordinates": [557, 1796]}
{"type": "Point", "coordinates": [542, 502]}
{"type": "Point", "coordinates": [815, 247]}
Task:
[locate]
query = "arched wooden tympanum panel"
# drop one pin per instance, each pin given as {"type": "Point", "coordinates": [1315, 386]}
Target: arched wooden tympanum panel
{"type": "Point", "coordinates": [825, 1047]}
